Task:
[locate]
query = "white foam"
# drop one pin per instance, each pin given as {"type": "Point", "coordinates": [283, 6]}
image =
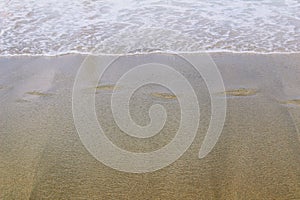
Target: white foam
{"type": "Point", "coordinates": [56, 27]}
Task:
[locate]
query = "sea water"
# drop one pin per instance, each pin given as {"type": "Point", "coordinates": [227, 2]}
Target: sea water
{"type": "Point", "coordinates": [53, 27]}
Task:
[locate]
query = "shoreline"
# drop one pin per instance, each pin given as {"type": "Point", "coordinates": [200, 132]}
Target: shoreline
{"type": "Point", "coordinates": [75, 53]}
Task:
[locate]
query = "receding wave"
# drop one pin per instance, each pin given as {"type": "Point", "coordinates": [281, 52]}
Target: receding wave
{"type": "Point", "coordinates": [56, 27]}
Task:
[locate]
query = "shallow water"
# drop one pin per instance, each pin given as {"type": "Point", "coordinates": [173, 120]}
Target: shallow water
{"type": "Point", "coordinates": [102, 26]}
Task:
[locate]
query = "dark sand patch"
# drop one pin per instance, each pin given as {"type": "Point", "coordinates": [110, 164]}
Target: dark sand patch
{"type": "Point", "coordinates": [2, 87]}
{"type": "Point", "coordinates": [163, 95]}
{"type": "Point", "coordinates": [106, 87]}
{"type": "Point", "coordinates": [22, 101]}
{"type": "Point", "coordinates": [109, 88]}
{"type": "Point", "coordinates": [36, 93]}
{"type": "Point", "coordinates": [291, 102]}
{"type": "Point", "coordinates": [241, 92]}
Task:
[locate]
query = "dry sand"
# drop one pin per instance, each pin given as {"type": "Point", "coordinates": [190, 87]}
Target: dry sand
{"type": "Point", "coordinates": [256, 157]}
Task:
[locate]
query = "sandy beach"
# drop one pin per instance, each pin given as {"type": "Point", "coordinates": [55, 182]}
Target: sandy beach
{"type": "Point", "coordinates": [256, 157]}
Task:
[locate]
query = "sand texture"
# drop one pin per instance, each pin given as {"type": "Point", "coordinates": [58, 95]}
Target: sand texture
{"type": "Point", "coordinates": [257, 155]}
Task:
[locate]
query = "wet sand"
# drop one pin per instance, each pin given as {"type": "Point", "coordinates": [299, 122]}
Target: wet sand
{"type": "Point", "coordinates": [257, 155]}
